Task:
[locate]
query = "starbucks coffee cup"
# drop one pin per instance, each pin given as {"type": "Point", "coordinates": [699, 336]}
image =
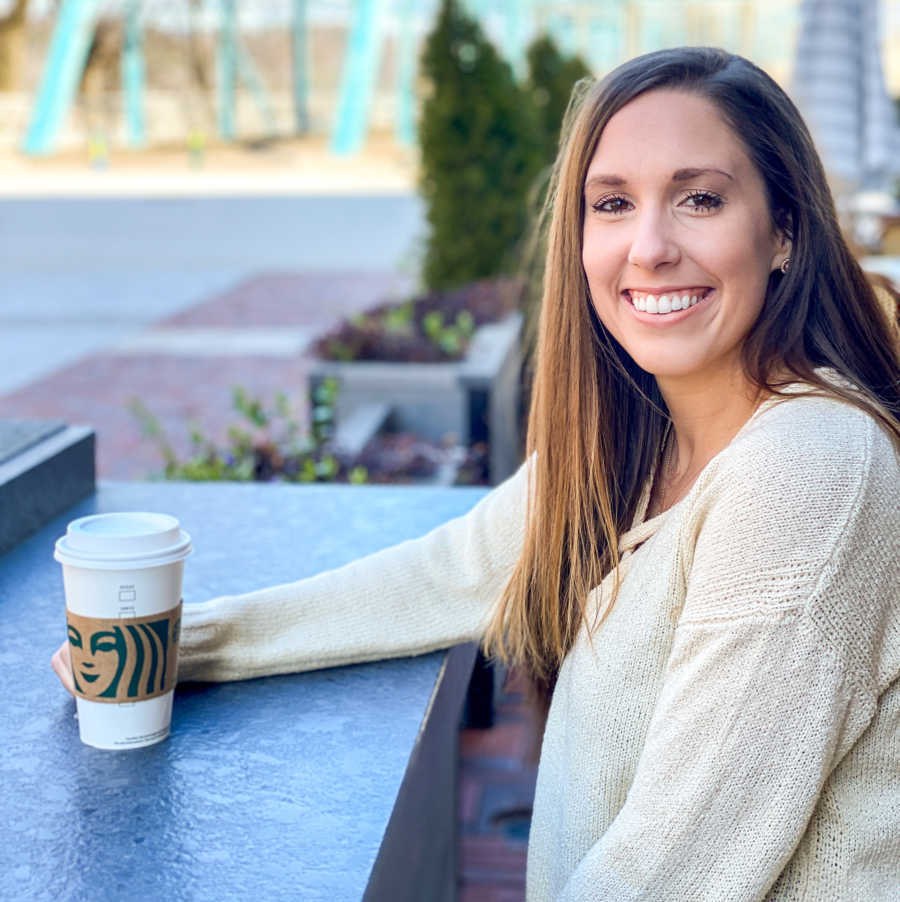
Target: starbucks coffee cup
{"type": "Point", "coordinates": [122, 576]}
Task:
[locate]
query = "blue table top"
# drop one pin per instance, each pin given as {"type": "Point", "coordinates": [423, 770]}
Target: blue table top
{"type": "Point", "coordinates": [277, 788]}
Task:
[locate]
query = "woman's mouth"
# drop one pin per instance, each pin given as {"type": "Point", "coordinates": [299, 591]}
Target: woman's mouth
{"type": "Point", "coordinates": [666, 302]}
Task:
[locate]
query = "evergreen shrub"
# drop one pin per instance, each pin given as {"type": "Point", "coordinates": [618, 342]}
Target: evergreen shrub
{"type": "Point", "coordinates": [551, 77]}
{"type": "Point", "coordinates": [480, 149]}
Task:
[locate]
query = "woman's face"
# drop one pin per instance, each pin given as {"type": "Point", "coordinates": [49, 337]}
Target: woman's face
{"type": "Point", "coordinates": [678, 239]}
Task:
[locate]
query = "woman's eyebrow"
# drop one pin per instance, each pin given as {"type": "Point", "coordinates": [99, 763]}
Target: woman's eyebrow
{"type": "Point", "coordinates": [614, 181]}
{"type": "Point", "coordinates": [685, 175]}
{"type": "Point", "coordinates": [680, 175]}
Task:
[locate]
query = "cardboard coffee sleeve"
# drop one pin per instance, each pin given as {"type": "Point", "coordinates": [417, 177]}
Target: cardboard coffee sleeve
{"type": "Point", "coordinates": [124, 660]}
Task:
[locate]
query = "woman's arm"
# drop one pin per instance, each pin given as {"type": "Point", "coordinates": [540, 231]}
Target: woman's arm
{"type": "Point", "coordinates": [413, 598]}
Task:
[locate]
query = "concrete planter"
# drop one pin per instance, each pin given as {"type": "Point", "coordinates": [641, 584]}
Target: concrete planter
{"type": "Point", "coordinates": [473, 399]}
{"type": "Point", "coordinates": [45, 467]}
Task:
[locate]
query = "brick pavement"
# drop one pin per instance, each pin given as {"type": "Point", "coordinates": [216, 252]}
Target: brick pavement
{"type": "Point", "coordinates": [496, 790]}
{"type": "Point", "coordinates": [185, 390]}
{"type": "Point", "coordinates": [496, 771]}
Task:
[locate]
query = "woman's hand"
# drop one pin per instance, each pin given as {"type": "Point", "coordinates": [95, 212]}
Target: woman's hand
{"type": "Point", "coordinates": [61, 662]}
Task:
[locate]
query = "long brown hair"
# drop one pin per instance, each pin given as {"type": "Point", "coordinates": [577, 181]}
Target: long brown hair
{"type": "Point", "coordinates": [597, 421]}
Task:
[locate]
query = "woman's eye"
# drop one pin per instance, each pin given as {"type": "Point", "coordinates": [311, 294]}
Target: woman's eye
{"type": "Point", "coordinates": [612, 204]}
{"type": "Point", "coordinates": [702, 200]}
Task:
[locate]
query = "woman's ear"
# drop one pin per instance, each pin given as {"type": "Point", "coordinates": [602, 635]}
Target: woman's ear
{"type": "Point", "coordinates": [783, 241]}
{"type": "Point", "coordinates": [782, 257]}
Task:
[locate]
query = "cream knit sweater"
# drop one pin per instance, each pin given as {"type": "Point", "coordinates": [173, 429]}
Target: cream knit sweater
{"type": "Point", "coordinates": [730, 732]}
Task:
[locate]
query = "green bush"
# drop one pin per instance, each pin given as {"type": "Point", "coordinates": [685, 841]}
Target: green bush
{"type": "Point", "coordinates": [480, 147]}
{"type": "Point", "coordinates": [551, 77]}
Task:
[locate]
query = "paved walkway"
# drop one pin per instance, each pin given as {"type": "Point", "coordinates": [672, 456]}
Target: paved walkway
{"type": "Point", "coordinates": [183, 368]}
{"type": "Point", "coordinates": [255, 335]}
{"type": "Point", "coordinates": [83, 274]}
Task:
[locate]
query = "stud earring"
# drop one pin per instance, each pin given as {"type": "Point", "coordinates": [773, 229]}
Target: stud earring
{"type": "Point", "coordinates": [786, 264]}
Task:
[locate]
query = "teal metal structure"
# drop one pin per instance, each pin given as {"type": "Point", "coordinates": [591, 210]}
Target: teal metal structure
{"type": "Point", "coordinates": [74, 30]}
{"type": "Point", "coordinates": [361, 59]}
{"type": "Point", "coordinates": [226, 74]}
{"type": "Point", "coordinates": [235, 63]}
{"type": "Point", "coordinates": [300, 67]}
{"type": "Point", "coordinates": [600, 30]}
{"type": "Point", "coordinates": [363, 54]}
{"type": "Point", "coordinates": [133, 75]}
{"type": "Point", "coordinates": [405, 118]}
{"type": "Point", "coordinates": [250, 76]}
{"type": "Point", "coordinates": [69, 47]}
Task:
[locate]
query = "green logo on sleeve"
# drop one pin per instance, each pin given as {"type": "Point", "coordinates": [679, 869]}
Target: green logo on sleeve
{"type": "Point", "coordinates": [124, 660]}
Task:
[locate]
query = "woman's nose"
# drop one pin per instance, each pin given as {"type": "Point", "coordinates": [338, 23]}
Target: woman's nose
{"type": "Point", "coordinates": [652, 243]}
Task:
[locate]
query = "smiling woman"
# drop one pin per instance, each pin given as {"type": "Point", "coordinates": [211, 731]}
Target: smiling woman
{"type": "Point", "coordinates": [716, 411]}
{"type": "Point", "coordinates": [697, 564]}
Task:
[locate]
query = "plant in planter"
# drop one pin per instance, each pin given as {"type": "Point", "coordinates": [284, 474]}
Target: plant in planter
{"type": "Point", "coordinates": [268, 446]}
{"type": "Point", "coordinates": [265, 446]}
{"type": "Point", "coordinates": [434, 328]}
{"type": "Point", "coordinates": [446, 364]}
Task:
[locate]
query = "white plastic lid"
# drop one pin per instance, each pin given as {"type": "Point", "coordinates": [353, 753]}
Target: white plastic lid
{"type": "Point", "coordinates": [123, 541]}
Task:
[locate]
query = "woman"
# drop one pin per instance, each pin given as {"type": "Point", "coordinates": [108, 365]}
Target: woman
{"type": "Point", "coordinates": [699, 561]}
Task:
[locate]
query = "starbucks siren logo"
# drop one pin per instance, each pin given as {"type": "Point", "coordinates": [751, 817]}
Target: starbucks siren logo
{"type": "Point", "coordinates": [124, 660]}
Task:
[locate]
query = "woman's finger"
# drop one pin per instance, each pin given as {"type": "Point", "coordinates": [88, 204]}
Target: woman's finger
{"type": "Point", "coordinates": [61, 662]}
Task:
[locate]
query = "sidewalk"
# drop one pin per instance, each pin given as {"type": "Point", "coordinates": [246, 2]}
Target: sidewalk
{"type": "Point", "coordinates": [256, 335]}
{"type": "Point", "coordinates": [284, 166]}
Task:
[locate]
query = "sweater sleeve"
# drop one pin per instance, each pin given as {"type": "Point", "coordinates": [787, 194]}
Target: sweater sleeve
{"type": "Point", "coordinates": [788, 633]}
{"type": "Point", "coordinates": [415, 597]}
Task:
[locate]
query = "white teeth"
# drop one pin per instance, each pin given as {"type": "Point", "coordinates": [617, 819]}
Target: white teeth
{"type": "Point", "coordinates": [664, 303]}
